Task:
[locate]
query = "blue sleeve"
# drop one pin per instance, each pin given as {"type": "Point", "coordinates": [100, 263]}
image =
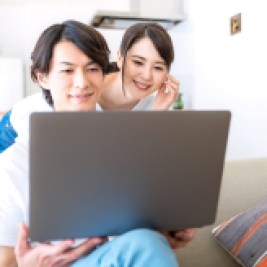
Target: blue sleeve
{"type": "Point", "coordinates": [7, 132]}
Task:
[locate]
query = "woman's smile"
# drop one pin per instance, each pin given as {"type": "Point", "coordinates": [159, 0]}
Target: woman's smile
{"type": "Point", "coordinates": [142, 86]}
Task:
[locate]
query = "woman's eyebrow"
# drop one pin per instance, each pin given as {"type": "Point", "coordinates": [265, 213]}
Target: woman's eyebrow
{"type": "Point", "coordinates": [140, 57]}
{"type": "Point", "coordinates": [143, 58]}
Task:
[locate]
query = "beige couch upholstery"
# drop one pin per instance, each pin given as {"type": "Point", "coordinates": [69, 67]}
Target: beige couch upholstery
{"type": "Point", "coordinates": [244, 184]}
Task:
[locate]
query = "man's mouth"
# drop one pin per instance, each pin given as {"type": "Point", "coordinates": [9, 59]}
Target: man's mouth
{"type": "Point", "coordinates": [81, 97]}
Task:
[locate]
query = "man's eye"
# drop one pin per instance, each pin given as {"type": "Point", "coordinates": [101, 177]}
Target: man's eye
{"type": "Point", "coordinates": [67, 71]}
{"type": "Point", "coordinates": [93, 69]}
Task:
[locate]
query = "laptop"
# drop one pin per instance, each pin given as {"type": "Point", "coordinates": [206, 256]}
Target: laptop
{"type": "Point", "coordinates": [105, 173]}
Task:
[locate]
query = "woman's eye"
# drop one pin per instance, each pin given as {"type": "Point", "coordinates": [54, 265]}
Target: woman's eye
{"type": "Point", "coordinates": [159, 68]}
{"type": "Point", "coordinates": [137, 62]}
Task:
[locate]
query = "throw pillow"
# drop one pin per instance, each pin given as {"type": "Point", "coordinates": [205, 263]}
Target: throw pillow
{"type": "Point", "coordinates": [244, 236]}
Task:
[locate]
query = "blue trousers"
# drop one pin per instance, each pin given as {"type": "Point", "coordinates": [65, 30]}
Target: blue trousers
{"type": "Point", "coordinates": [136, 248]}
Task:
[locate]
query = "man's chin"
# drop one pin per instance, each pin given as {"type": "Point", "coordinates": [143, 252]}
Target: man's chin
{"type": "Point", "coordinates": [76, 108]}
{"type": "Point", "coordinates": [84, 108]}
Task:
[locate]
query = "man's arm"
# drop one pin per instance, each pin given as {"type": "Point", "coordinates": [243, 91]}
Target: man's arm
{"type": "Point", "coordinates": [44, 255]}
{"type": "Point", "coordinates": [7, 257]}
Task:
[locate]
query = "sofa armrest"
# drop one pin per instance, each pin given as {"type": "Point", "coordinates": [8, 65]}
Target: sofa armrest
{"type": "Point", "coordinates": [244, 184]}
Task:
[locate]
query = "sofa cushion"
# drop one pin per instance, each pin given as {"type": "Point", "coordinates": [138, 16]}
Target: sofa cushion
{"type": "Point", "coordinates": [244, 236]}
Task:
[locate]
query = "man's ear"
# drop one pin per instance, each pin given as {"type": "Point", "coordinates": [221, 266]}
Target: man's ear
{"type": "Point", "coordinates": [119, 59]}
{"type": "Point", "coordinates": [42, 79]}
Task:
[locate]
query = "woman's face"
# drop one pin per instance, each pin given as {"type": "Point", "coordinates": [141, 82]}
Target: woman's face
{"type": "Point", "coordinates": [74, 80]}
{"type": "Point", "coordinates": [144, 70]}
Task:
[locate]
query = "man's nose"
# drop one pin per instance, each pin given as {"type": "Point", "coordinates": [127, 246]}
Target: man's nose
{"type": "Point", "coordinates": [80, 80]}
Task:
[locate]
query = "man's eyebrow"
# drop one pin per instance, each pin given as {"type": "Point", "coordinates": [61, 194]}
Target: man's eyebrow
{"type": "Point", "coordinates": [73, 64]}
{"type": "Point", "coordinates": [143, 58]}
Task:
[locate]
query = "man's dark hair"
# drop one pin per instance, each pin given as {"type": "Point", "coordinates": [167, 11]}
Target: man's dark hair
{"type": "Point", "coordinates": [86, 38]}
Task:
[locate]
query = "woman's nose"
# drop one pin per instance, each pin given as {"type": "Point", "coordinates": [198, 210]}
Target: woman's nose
{"type": "Point", "coordinates": [147, 73]}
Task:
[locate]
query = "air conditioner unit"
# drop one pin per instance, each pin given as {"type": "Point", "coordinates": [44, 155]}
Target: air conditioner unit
{"type": "Point", "coordinates": [168, 13]}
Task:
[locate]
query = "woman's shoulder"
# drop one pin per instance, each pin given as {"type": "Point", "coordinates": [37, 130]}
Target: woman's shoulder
{"type": "Point", "coordinates": [145, 103]}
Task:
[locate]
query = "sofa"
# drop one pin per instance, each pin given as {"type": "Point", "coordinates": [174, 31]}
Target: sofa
{"type": "Point", "coordinates": [244, 184]}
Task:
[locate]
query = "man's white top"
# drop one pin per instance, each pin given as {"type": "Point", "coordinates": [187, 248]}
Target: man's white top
{"type": "Point", "coordinates": [14, 169]}
{"type": "Point", "coordinates": [21, 111]}
{"type": "Point", "coordinates": [14, 194]}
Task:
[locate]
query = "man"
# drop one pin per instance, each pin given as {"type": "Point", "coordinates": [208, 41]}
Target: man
{"type": "Point", "coordinates": [69, 62]}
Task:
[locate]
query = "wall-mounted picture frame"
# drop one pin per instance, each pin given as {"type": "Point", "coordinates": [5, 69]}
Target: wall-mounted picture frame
{"type": "Point", "coordinates": [235, 24]}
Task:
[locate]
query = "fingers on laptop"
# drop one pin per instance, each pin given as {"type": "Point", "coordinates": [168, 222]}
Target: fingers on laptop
{"type": "Point", "coordinates": [45, 254]}
{"type": "Point", "coordinates": [22, 242]}
{"type": "Point", "coordinates": [178, 239]}
{"type": "Point", "coordinates": [87, 247]}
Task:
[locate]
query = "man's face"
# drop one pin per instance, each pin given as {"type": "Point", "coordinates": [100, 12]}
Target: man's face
{"type": "Point", "coordinates": [74, 80]}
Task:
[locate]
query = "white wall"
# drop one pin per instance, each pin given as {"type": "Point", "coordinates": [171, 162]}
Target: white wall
{"type": "Point", "coordinates": [21, 23]}
{"type": "Point", "coordinates": [229, 72]}
{"type": "Point", "coordinates": [216, 70]}
{"type": "Point", "coordinates": [11, 82]}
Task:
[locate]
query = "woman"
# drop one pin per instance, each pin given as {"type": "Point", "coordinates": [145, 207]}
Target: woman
{"type": "Point", "coordinates": [139, 81]}
{"type": "Point", "coordinates": [69, 62]}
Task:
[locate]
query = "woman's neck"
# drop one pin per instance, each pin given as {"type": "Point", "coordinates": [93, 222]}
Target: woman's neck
{"type": "Point", "coordinates": [112, 96]}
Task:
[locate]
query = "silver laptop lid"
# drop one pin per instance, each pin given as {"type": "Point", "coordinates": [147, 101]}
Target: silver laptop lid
{"type": "Point", "coordinates": [103, 173]}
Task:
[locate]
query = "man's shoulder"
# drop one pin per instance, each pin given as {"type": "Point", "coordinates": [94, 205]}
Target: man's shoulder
{"type": "Point", "coordinates": [22, 110]}
{"type": "Point", "coordinates": [35, 102]}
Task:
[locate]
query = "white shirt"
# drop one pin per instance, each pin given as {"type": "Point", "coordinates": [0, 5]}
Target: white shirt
{"type": "Point", "coordinates": [146, 103]}
{"type": "Point", "coordinates": [14, 169]}
{"type": "Point", "coordinates": [14, 195]}
{"type": "Point", "coordinates": [22, 110]}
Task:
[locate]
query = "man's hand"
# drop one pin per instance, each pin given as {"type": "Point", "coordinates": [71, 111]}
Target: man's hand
{"type": "Point", "coordinates": [47, 255]}
{"type": "Point", "coordinates": [179, 238]}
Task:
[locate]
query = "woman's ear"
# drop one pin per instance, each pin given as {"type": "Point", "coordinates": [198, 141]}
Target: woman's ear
{"type": "Point", "coordinates": [119, 59]}
{"type": "Point", "coordinates": [42, 79]}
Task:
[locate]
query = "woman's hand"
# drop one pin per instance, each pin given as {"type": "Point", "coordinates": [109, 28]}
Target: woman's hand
{"type": "Point", "coordinates": [179, 238]}
{"type": "Point", "coordinates": [167, 94]}
{"type": "Point", "coordinates": [47, 255]}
